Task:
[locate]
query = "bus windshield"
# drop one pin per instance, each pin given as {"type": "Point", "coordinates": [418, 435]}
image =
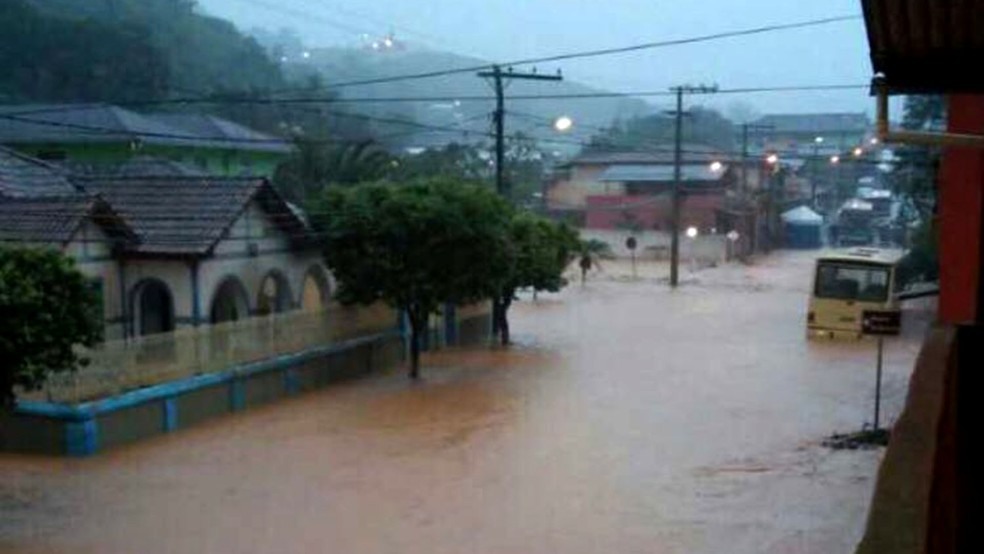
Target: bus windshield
{"type": "Point", "coordinates": [846, 281]}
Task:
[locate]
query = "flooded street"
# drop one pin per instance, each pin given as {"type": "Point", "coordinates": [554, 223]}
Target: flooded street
{"type": "Point", "coordinates": [628, 418]}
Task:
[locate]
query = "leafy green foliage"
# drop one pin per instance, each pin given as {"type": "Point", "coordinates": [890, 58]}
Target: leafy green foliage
{"type": "Point", "coordinates": [46, 308]}
{"type": "Point", "coordinates": [56, 59]}
{"type": "Point", "coordinates": [539, 250]}
{"type": "Point", "coordinates": [590, 253]}
{"type": "Point", "coordinates": [202, 54]}
{"type": "Point", "coordinates": [916, 179]}
{"type": "Point", "coordinates": [414, 246]}
{"type": "Point", "coordinates": [314, 166]}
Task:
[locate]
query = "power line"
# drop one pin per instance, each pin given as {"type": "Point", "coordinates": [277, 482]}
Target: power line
{"type": "Point", "coordinates": [604, 51]}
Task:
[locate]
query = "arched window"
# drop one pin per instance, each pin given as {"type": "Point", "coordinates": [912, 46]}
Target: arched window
{"type": "Point", "coordinates": [153, 308]}
{"type": "Point", "coordinates": [274, 296]}
{"type": "Point", "coordinates": [316, 290]}
{"type": "Point", "coordinates": [230, 303]}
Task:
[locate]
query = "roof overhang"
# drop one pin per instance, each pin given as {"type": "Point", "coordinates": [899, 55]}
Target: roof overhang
{"type": "Point", "coordinates": [926, 46]}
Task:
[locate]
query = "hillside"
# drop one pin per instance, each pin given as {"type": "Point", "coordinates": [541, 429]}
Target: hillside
{"type": "Point", "coordinates": [339, 65]}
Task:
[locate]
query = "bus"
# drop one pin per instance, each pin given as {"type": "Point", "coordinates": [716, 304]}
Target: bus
{"type": "Point", "coordinates": [848, 284]}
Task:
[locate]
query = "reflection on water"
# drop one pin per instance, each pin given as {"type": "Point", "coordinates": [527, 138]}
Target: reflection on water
{"type": "Point", "coordinates": [628, 418]}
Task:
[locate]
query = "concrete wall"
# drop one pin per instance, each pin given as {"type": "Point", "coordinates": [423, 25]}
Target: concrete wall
{"type": "Point", "coordinates": [655, 245]}
{"type": "Point", "coordinates": [87, 428]}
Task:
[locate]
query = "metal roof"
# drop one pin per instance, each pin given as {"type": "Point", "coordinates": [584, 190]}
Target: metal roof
{"type": "Point", "coordinates": [105, 123]}
{"type": "Point", "coordinates": [83, 123]}
{"type": "Point", "coordinates": [818, 123]}
{"type": "Point", "coordinates": [205, 125]}
{"type": "Point", "coordinates": [658, 155]}
{"type": "Point", "coordinates": [926, 46]}
{"type": "Point", "coordinates": [660, 173]}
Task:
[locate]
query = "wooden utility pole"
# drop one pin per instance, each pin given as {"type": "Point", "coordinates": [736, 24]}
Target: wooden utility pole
{"type": "Point", "coordinates": [499, 116]}
{"type": "Point", "coordinates": [678, 176]}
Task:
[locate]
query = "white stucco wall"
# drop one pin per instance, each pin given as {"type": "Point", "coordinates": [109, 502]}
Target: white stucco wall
{"type": "Point", "coordinates": [271, 251]}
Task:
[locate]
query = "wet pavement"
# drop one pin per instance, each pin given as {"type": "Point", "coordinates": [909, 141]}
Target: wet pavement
{"type": "Point", "coordinates": [628, 418]}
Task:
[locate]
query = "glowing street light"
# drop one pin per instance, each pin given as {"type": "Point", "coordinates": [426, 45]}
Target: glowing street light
{"type": "Point", "coordinates": [835, 159]}
{"type": "Point", "coordinates": [858, 151]}
{"type": "Point", "coordinates": [563, 124]}
{"type": "Point", "coordinates": [692, 232]}
{"type": "Point", "coordinates": [388, 42]}
{"type": "Point", "coordinates": [818, 140]}
{"type": "Point", "coordinates": [874, 140]}
{"type": "Point", "coordinates": [305, 54]}
{"type": "Point", "coordinates": [715, 167]}
{"type": "Point", "coordinates": [772, 159]}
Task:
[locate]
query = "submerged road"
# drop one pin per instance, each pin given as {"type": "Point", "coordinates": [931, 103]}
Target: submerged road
{"type": "Point", "coordinates": [628, 418]}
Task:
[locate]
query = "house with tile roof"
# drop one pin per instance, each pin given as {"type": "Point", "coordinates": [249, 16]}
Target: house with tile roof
{"type": "Point", "coordinates": [97, 137]}
{"type": "Point", "coordinates": [171, 251]}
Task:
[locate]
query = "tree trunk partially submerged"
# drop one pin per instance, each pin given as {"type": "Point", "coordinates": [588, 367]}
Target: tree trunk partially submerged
{"type": "Point", "coordinates": [416, 324]}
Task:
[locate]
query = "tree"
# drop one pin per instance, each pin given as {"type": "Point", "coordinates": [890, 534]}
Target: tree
{"type": "Point", "coordinates": [414, 246]}
{"type": "Point", "coordinates": [314, 166]}
{"type": "Point", "coordinates": [915, 180]}
{"type": "Point", "coordinates": [702, 126]}
{"type": "Point", "coordinates": [47, 309]}
{"type": "Point", "coordinates": [589, 253]}
{"type": "Point", "coordinates": [540, 251]}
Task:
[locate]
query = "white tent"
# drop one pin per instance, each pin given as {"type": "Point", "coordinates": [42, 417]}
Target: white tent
{"type": "Point", "coordinates": [802, 216]}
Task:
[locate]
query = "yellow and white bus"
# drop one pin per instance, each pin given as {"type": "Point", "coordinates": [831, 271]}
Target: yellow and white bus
{"type": "Point", "coordinates": [848, 284]}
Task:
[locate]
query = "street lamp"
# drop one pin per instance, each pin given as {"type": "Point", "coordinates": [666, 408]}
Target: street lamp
{"type": "Point", "coordinates": [715, 167]}
{"type": "Point", "coordinates": [858, 151]}
{"type": "Point", "coordinates": [692, 234]}
{"type": "Point", "coordinates": [563, 124]}
{"type": "Point", "coordinates": [873, 141]}
{"type": "Point", "coordinates": [835, 159]}
{"type": "Point", "coordinates": [817, 141]}
{"type": "Point", "coordinates": [772, 159]}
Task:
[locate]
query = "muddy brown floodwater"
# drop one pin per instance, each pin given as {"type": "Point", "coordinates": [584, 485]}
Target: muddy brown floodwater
{"type": "Point", "coordinates": [628, 418]}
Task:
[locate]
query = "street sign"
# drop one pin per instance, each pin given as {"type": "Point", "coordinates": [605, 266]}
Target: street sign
{"type": "Point", "coordinates": [881, 322]}
{"type": "Point", "coordinates": [630, 243]}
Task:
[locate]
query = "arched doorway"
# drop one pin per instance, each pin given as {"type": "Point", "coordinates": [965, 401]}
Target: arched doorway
{"type": "Point", "coordinates": [153, 308]}
{"type": "Point", "coordinates": [274, 296]}
{"type": "Point", "coordinates": [315, 293]}
{"type": "Point", "coordinates": [230, 303]}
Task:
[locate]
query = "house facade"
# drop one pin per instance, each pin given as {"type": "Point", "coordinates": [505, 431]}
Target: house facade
{"type": "Point", "coordinates": [168, 252]}
{"type": "Point", "coordinates": [91, 138]}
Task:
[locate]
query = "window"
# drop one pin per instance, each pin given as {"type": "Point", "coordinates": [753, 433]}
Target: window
{"type": "Point", "coordinates": [865, 283]}
{"type": "Point", "coordinates": [95, 286]}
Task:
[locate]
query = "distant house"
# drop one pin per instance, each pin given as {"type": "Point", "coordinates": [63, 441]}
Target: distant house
{"type": "Point", "coordinates": [631, 189]}
{"type": "Point", "coordinates": [795, 135]}
{"type": "Point", "coordinates": [92, 137]}
{"type": "Point", "coordinates": [172, 251]}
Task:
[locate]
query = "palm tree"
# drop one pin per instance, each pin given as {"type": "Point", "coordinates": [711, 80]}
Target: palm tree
{"type": "Point", "coordinates": [314, 166]}
{"type": "Point", "coordinates": [590, 253]}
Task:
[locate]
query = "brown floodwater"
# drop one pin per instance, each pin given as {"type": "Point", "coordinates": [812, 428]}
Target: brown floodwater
{"type": "Point", "coordinates": [627, 418]}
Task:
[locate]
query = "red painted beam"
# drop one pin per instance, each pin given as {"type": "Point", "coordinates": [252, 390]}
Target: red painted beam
{"type": "Point", "coordinates": [961, 217]}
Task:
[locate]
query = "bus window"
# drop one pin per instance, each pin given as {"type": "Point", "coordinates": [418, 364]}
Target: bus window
{"type": "Point", "coordinates": [852, 282]}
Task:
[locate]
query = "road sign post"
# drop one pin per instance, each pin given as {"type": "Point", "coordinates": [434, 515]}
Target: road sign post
{"type": "Point", "coordinates": [631, 244]}
{"type": "Point", "coordinates": [880, 323]}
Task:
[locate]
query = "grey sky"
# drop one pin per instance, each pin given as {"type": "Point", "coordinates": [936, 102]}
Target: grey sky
{"type": "Point", "coordinates": [501, 30]}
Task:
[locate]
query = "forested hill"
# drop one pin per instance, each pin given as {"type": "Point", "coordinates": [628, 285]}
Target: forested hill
{"type": "Point", "coordinates": [124, 50]}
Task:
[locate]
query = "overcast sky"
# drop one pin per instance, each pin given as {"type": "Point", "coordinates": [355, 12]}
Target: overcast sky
{"type": "Point", "coordinates": [502, 30]}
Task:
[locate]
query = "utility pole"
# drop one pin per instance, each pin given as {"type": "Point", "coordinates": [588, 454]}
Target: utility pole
{"type": "Point", "coordinates": [745, 127]}
{"type": "Point", "coordinates": [499, 116]}
{"type": "Point", "coordinates": [678, 176]}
